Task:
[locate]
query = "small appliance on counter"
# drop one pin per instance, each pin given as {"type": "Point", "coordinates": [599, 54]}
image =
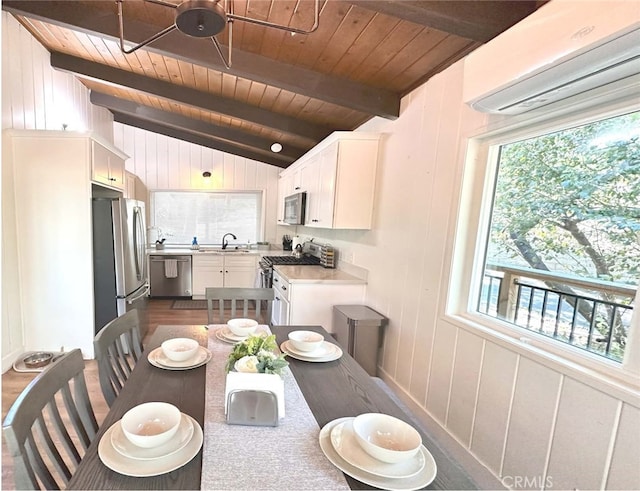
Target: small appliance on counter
{"type": "Point", "coordinates": [296, 241]}
{"type": "Point", "coordinates": [287, 243]}
{"type": "Point", "coordinates": [327, 256]}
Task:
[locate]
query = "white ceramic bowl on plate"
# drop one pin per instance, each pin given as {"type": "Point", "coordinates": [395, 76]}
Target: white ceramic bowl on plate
{"type": "Point", "coordinates": [306, 341]}
{"type": "Point", "coordinates": [242, 327]}
{"type": "Point", "coordinates": [180, 349]}
{"type": "Point", "coordinates": [151, 424]}
{"type": "Point", "coordinates": [386, 438]}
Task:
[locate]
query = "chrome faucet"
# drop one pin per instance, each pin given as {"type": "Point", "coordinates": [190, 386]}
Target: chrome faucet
{"type": "Point", "coordinates": [226, 243]}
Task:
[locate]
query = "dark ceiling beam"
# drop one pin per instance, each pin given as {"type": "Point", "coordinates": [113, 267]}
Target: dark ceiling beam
{"type": "Point", "coordinates": [471, 19]}
{"type": "Point", "coordinates": [335, 90]}
{"type": "Point", "coordinates": [160, 128]}
{"type": "Point", "coordinates": [185, 95]}
{"type": "Point", "coordinates": [231, 135]}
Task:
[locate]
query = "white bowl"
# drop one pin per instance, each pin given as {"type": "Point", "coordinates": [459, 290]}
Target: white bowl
{"type": "Point", "coordinates": [386, 438]}
{"type": "Point", "coordinates": [306, 340]}
{"type": "Point", "coordinates": [180, 349]}
{"type": "Point", "coordinates": [151, 424]}
{"type": "Point", "coordinates": [242, 327]}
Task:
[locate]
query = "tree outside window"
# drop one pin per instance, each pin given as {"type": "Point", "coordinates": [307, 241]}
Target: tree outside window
{"type": "Point", "coordinates": [567, 206]}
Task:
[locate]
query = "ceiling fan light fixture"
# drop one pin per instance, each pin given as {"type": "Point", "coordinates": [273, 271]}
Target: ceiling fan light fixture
{"type": "Point", "coordinates": [276, 147]}
{"type": "Point", "coordinates": [206, 18]}
{"type": "Point", "coordinates": [200, 18]}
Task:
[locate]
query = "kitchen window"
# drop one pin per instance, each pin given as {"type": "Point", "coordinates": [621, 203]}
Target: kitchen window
{"type": "Point", "coordinates": [179, 216]}
{"type": "Point", "coordinates": [557, 248]}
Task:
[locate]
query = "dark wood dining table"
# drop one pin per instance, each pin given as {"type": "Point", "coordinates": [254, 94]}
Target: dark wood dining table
{"type": "Point", "coordinates": [332, 390]}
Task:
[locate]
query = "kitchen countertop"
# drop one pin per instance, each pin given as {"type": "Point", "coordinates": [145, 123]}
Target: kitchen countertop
{"type": "Point", "coordinates": [317, 274]}
{"type": "Point", "coordinates": [191, 252]}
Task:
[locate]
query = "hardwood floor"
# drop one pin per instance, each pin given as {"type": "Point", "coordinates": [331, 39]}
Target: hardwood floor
{"type": "Point", "coordinates": [13, 383]}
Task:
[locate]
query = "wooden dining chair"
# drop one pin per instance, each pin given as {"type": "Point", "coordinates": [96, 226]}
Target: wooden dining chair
{"type": "Point", "coordinates": [118, 347]}
{"type": "Point", "coordinates": [253, 303]}
{"type": "Point", "coordinates": [50, 425]}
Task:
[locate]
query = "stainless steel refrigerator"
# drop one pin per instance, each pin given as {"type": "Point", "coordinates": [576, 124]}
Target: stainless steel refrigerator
{"type": "Point", "coordinates": [119, 259]}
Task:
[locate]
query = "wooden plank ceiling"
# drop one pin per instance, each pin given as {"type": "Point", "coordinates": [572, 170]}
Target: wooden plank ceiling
{"type": "Point", "coordinates": [292, 89]}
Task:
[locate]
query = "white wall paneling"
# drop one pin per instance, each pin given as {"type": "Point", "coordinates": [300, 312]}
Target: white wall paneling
{"type": "Point", "coordinates": [35, 96]}
{"type": "Point", "coordinates": [464, 386]}
{"type": "Point", "coordinates": [440, 372]}
{"type": "Point", "coordinates": [624, 472]}
{"type": "Point", "coordinates": [162, 162]}
{"type": "Point", "coordinates": [493, 406]}
{"type": "Point", "coordinates": [533, 416]}
{"type": "Point", "coordinates": [583, 433]}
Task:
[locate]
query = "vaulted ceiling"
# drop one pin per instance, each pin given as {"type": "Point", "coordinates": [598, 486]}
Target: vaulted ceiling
{"type": "Point", "coordinates": [292, 89]}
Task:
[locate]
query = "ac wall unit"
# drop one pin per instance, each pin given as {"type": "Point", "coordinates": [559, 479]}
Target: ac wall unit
{"type": "Point", "coordinates": [561, 50]}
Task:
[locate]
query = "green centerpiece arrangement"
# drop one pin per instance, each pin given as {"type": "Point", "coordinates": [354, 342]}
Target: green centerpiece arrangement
{"type": "Point", "coordinates": [256, 354]}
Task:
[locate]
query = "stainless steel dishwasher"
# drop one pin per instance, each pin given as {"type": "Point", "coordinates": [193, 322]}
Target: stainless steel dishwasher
{"type": "Point", "coordinates": [169, 278]}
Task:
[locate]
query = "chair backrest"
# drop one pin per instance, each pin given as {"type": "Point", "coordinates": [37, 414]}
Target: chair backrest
{"type": "Point", "coordinates": [118, 347]}
{"type": "Point", "coordinates": [253, 303]}
{"type": "Point", "coordinates": [50, 425]}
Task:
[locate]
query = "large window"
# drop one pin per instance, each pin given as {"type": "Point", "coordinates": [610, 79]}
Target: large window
{"type": "Point", "coordinates": [562, 243]}
{"type": "Point", "coordinates": [179, 216]}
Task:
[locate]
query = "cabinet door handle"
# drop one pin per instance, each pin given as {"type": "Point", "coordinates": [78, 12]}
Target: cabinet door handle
{"type": "Point", "coordinates": [221, 271]}
{"type": "Point", "coordinates": [112, 179]}
{"type": "Point", "coordinates": [314, 220]}
{"type": "Point", "coordinates": [275, 280]}
{"type": "Point", "coordinates": [296, 188]}
{"type": "Point", "coordinates": [277, 298]}
{"type": "Point", "coordinates": [284, 287]}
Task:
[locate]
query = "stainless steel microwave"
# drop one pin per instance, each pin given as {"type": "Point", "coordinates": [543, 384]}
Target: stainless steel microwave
{"type": "Point", "coordinates": [294, 207]}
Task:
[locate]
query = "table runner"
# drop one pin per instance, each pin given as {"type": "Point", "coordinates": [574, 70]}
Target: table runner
{"type": "Point", "coordinates": [287, 456]}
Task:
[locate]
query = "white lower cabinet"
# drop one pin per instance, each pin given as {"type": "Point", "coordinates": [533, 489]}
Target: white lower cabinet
{"type": "Point", "coordinates": [206, 271]}
{"type": "Point", "coordinates": [220, 270]}
{"type": "Point", "coordinates": [311, 303]}
{"type": "Point", "coordinates": [280, 309]}
{"type": "Point", "coordinates": [240, 270]}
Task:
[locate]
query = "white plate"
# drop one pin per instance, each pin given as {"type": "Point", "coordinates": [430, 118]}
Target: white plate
{"type": "Point", "coordinates": [128, 449]}
{"type": "Point", "coordinates": [334, 352]}
{"type": "Point", "coordinates": [157, 359]}
{"type": "Point", "coordinates": [325, 349]}
{"type": "Point", "coordinates": [224, 339]}
{"type": "Point", "coordinates": [117, 462]}
{"type": "Point", "coordinates": [420, 480]}
{"type": "Point", "coordinates": [346, 444]}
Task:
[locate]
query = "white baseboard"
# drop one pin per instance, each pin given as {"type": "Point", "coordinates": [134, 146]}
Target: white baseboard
{"type": "Point", "coordinates": [9, 358]}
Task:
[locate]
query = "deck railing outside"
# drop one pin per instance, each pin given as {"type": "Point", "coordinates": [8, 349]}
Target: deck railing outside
{"type": "Point", "coordinates": [590, 314]}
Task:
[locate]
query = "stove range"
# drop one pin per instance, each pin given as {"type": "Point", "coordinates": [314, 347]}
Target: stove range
{"type": "Point", "coordinates": [305, 260]}
{"type": "Point", "coordinates": [267, 263]}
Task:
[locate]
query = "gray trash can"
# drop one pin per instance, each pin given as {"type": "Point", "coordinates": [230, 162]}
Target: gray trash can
{"type": "Point", "coordinates": [358, 329]}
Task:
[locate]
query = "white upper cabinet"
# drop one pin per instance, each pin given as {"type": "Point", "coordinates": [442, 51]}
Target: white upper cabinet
{"type": "Point", "coordinates": [339, 177]}
{"type": "Point", "coordinates": [107, 167]}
